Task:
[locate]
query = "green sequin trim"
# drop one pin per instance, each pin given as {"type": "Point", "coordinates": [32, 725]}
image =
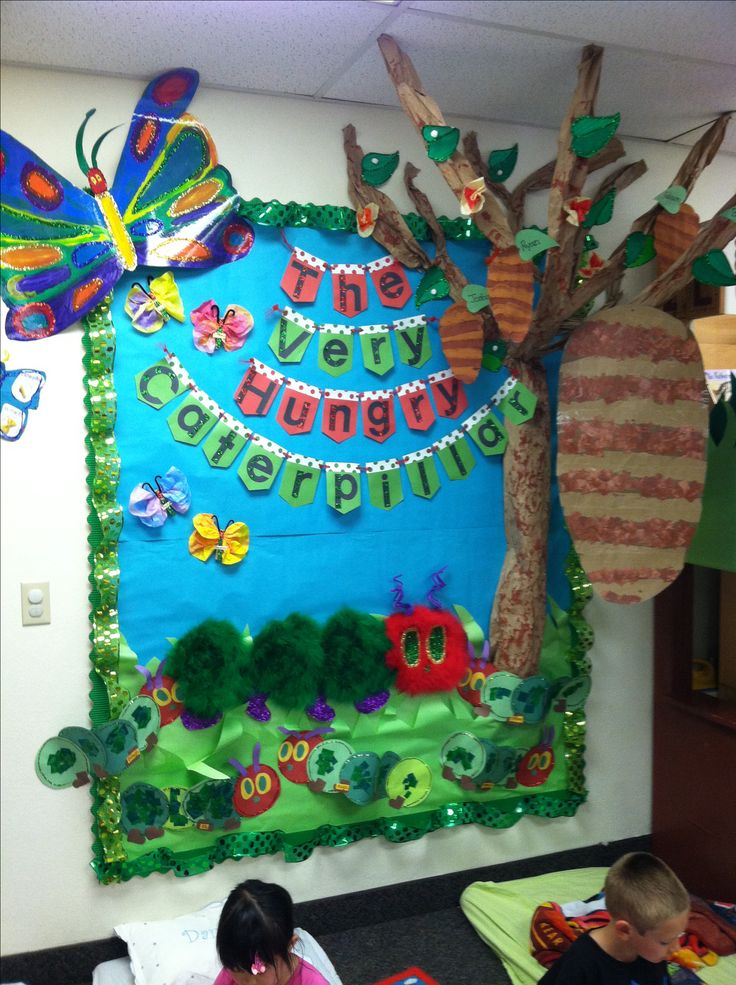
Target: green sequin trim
{"type": "Point", "coordinates": [341, 218]}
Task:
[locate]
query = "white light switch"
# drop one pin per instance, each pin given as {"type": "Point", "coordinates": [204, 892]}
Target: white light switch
{"type": "Point", "coordinates": [35, 603]}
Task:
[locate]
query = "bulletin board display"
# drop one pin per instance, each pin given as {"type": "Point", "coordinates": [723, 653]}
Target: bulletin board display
{"type": "Point", "coordinates": [324, 458]}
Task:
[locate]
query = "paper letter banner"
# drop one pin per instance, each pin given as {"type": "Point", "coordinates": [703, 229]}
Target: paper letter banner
{"type": "Point", "coordinates": [340, 414]}
{"type": "Point", "coordinates": [486, 432]}
{"type": "Point", "coordinates": [384, 484]}
{"type": "Point", "coordinates": [258, 389]}
{"type": "Point", "coordinates": [422, 471]}
{"type": "Point", "coordinates": [377, 407]}
{"type": "Point", "coordinates": [290, 338]}
{"type": "Point", "coordinates": [349, 289]}
{"type": "Point", "coordinates": [343, 486]}
{"type": "Point", "coordinates": [261, 464]}
{"type": "Point", "coordinates": [416, 405]}
{"type": "Point", "coordinates": [335, 355]}
{"type": "Point", "coordinates": [302, 276]}
{"type": "Point", "coordinates": [378, 356]}
{"type": "Point", "coordinates": [455, 455]}
{"type": "Point", "coordinates": [413, 341]}
{"type": "Point", "coordinates": [516, 402]}
{"type": "Point", "coordinates": [390, 282]}
{"type": "Point", "coordinates": [299, 481]}
{"type": "Point", "coordinates": [298, 407]}
{"type": "Point", "coordinates": [223, 445]}
{"type": "Point", "coordinates": [191, 421]}
{"type": "Point", "coordinates": [157, 385]}
{"type": "Point", "coordinates": [449, 394]}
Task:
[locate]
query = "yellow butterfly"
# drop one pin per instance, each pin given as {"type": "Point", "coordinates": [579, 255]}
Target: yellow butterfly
{"type": "Point", "coordinates": [229, 545]}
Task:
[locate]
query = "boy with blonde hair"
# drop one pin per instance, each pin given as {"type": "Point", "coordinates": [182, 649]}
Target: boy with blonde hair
{"type": "Point", "coordinates": [649, 909]}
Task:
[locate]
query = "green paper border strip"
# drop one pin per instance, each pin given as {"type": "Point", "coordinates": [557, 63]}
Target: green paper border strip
{"type": "Point", "coordinates": [583, 636]}
{"type": "Point", "coordinates": [341, 218]}
{"type": "Point", "coordinates": [105, 518]}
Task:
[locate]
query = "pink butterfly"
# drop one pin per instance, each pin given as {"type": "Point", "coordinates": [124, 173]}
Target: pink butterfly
{"type": "Point", "coordinates": [154, 506]}
{"type": "Point", "coordinates": [212, 332]}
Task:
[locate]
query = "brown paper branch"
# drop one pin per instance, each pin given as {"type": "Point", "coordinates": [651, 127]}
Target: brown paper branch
{"type": "Point", "coordinates": [472, 152]}
{"type": "Point", "coordinates": [423, 111]}
{"type": "Point", "coordinates": [391, 230]}
{"type": "Point", "coordinates": [713, 236]}
{"type": "Point", "coordinates": [567, 183]}
{"type": "Point", "coordinates": [455, 277]}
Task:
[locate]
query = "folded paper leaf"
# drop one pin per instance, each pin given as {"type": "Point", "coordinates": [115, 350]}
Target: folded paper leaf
{"type": "Point", "coordinates": [713, 268]}
{"type": "Point", "coordinates": [376, 169]}
{"type": "Point", "coordinates": [432, 287]}
{"type": "Point", "coordinates": [601, 211]}
{"type": "Point", "coordinates": [475, 297]}
{"type": "Point", "coordinates": [672, 198]}
{"type": "Point", "coordinates": [501, 163]}
{"type": "Point", "coordinates": [441, 141]}
{"type": "Point", "coordinates": [590, 134]}
{"type": "Point", "coordinates": [531, 242]}
{"type": "Point", "coordinates": [639, 249]}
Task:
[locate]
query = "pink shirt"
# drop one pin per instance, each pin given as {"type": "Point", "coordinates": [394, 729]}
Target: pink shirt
{"type": "Point", "coordinates": [304, 974]}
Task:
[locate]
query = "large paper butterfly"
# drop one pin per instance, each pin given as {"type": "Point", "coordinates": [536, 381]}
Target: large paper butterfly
{"type": "Point", "coordinates": [20, 391]}
{"type": "Point", "coordinates": [171, 205]}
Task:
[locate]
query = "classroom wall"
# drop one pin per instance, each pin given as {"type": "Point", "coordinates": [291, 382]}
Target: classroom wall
{"type": "Point", "coordinates": [285, 149]}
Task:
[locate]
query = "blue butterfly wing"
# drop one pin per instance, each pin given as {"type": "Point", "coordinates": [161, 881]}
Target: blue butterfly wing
{"type": "Point", "coordinates": [175, 487]}
{"type": "Point", "coordinates": [58, 261]}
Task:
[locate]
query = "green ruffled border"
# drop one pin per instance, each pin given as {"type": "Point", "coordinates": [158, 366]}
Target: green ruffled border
{"type": "Point", "coordinates": [110, 861]}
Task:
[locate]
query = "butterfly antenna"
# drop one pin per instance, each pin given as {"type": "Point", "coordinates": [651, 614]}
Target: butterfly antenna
{"type": "Point", "coordinates": [215, 520]}
{"type": "Point", "coordinates": [98, 143]}
{"type": "Point", "coordinates": [81, 159]}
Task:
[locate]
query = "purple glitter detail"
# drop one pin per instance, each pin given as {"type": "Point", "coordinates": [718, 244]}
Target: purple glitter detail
{"type": "Point", "coordinates": [374, 702]}
{"type": "Point", "coordinates": [320, 711]}
{"type": "Point", "coordinates": [258, 709]}
{"type": "Point", "coordinates": [194, 722]}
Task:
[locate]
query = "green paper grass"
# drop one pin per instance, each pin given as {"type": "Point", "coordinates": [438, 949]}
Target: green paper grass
{"type": "Point", "coordinates": [287, 661]}
{"type": "Point", "coordinates": [210, 664]}
{"type": "Point", "coordinates": [355, 646]}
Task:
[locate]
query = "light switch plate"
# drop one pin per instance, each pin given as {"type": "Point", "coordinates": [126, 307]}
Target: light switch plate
{"type": "Point", "coordinates": [35, 603]}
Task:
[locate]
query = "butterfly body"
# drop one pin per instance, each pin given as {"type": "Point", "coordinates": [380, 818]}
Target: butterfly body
{"type": "Point", "coordinates": [171, 204]}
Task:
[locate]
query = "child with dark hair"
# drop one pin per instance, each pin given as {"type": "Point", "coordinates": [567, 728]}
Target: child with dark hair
{"type": "Point", "coordinates": [649, 908]}
{"type": "Point", "coordinates": [258, 944]}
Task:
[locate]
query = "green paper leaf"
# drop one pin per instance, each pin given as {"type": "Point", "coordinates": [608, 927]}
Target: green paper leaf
{"type": "Point", "coordinates": [475, 297]}
{"type": "Point", "coordinates": [729, 213]}
{"type": "Point", "coordinates": [600, 211]}
{"type": "Point", "coordinates": [531, 242]}
{"type": "Point", "coordinates": [672, 198]}
{"type": "Point", "coordinates": [717, 422]}
{"type": "Point", "coordinates": [441, 141]}
{"type": "Point", "coordinates": [639, 249]}
{"type": "Point", "coordinates": [713, 268]}
{"type": "Point", "coordinates": [590, 134]}
{"type": "Point", "coordinates": [502, 162]}
{"type": "Point", "coordinates": [376, 169]}
{"type": "Point", "coordinates": [432, 287]}
{"type": "Point", "coordinates": [494, 354]}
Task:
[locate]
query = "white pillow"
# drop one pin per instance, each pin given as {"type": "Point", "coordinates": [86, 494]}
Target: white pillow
{"type": "Point", "coordinates": [162, 950]}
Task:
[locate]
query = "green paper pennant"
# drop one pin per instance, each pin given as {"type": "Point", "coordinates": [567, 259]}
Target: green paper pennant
{"type": "Point", "coordinates": [343, 489]}
{"type": "Point", "coordinates": [639, 249]}
{"type": "Point", "coordinates": [475, 297]}
{"type": "Point", "coordinates": [384, 485]}
{"type": "Point", "coordinates": [456, 457]}
{"type": "Point", "coordinates": [502, 162]}
{"type": "Point", "coordinates": [601, 211]}
{"type": "Point", "coordinates": [191, 421]}
{"type": "Point", "coordinates": [289, 340]}
{"type": "Point", "coordinates": [223, 446]}
{"type": "Point", "coordinates": [531, 242]}
{"type": "Point", "coordinates": [441, 141]}
{"type": "Point", "coordinates": [335, 352]}
{"type": "Point", "coordinates": [378, 355]}
{"type": "Point", "coordinates": [590, 134]}
{"type": "Point", "coordinates": [489, 435]}
{"type": "Point", "coordinates": [713, 268]}
{"type": "Point", "coordinates": [518, 404]}
{"type": "Point", "coordinates": [299, 482]}
{"type": "Point", "coordinates": [259, 467]}
{"type": "Point", "coordinates": [672, 198]}
{"type": "Point", "coordinates": [157, 385]}
{"type": "Point", "coordinates": [432, 287]}
{"type": "Point", "coordinates": [376, 168]}
{"type": "Point", "coordinates": [413, 344]}
{"type": "Point", "coordinates": [494, 354]}
{"type": "Point", "coordinates": [423, 476]}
